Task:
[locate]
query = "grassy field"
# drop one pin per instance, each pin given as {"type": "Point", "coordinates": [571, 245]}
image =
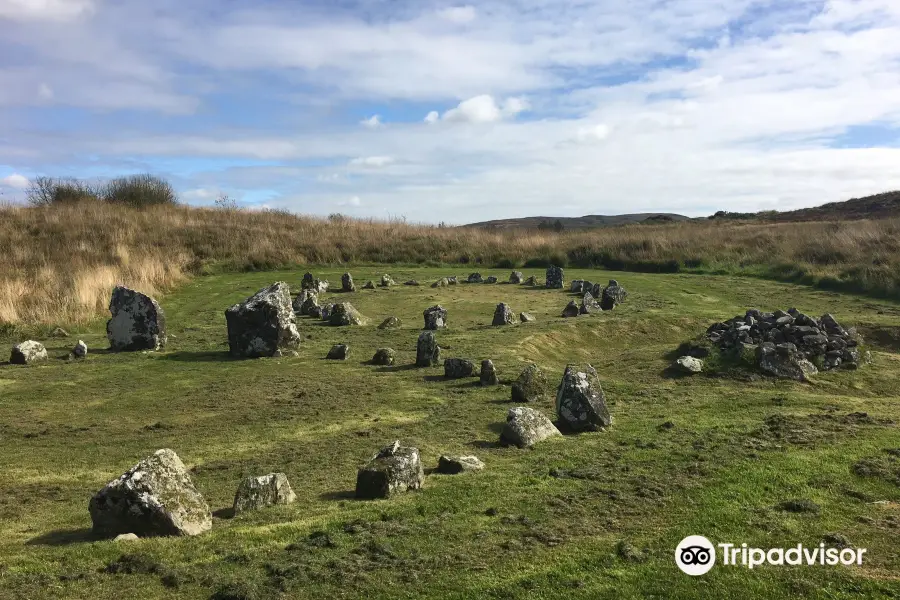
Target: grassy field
{"type": "Point", "coordinates": [589, 516]}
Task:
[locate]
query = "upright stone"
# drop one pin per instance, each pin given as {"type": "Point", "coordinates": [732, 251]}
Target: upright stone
{"type": "Point", "coordinates": [503, 315]}
{"type": "Point", "coordinates": [516, 277]}
{"type": "Point", "coordinates": [530, 281]}
{"type": "Point", "coordinates": [531, 385]}
{"type": "Point", "coordinates": [27, 352]}
{"type": "Point", "coordinates": [386, 281]}
{"type": "Point", "coordinates": [300, 300]}
{"type": "Point", "coordinates": [555, 278]}
{"type": "Point", "coordinates": [137, 323]}
{"type": "Point", "coordinates": [488, 373]}
{"type": "Point", "coordinates": [309, 304]}
{"type": "Point", "coordinates": [395, 469]}
{"type": "Point", "coordinates": [343, 314]}
{"type": "Point", "coordinates": [156, 497]}
{"type": "Point", "coordinates": [589, 305]}
{"type": "Point", "coordinates": [80, 350]}
{"type": "Point", "coordinates": [347, 283]}
{"type": "Point", "coordinates": [267, 490]}
{"type": "Point", "coordinates": [339, 352]}
{"type": "Point", "coordinates": [571, 310]}
{"type": "Point", "coordinates": [525, 427]}
{"type": "Point", "coordinates": [370, 285]}
{"type": "Point", "coordinates": [263, 325]}
{"type": "Point", "coordinates": [613, 294]}
{"type": "Point", "coordinates": [458, 368]}
{"type": "Point", "coordinates": [475, 278]}
{"type": "Point", "coordinates": [435, 317]}
{"type": "Point", "coordinates": [580, 402]}
{"type": "Point", "coordinates": [428, 353]}
{"type": "Point", "coordinates": [577, 286]}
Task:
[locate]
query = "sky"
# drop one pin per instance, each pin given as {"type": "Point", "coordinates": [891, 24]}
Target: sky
{"type": "Point", "coordinates": [458, 112]}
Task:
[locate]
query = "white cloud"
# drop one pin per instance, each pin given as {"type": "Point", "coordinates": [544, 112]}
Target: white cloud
{"type": "Point", "coordinates": [593, 133]}
{"type": "Point", "coordinates": [432, 117]}
{"type": "Point", "coordinates": [16, 181]}
{"type": "Point", "coordinates": [372, 162]}
{"type": "Point", "coordinates": [51, 10]}
{"type": "Point", "coordinates": [482, 109]}
{"type": "Point", "coordinates": [373, 122]}
{"type": "Point", "coordinates": [458, 14]}
{"type": "Point", "coordinates": [45, 92]}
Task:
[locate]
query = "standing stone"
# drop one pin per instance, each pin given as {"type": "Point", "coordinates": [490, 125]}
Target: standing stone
{"type": "Point", "coordinates": [571, 310]}
{"type": "Point", "coordinates": [530, 281]}
{"type": "Point", "coordinates": [577, 286]}
{"type": "Point", "coordinates": [453, 465]}
{"type": "Point", "coordinates": [589, 305]}
{"type": "Point", "coordinates": [435, 317]}
{"type": "Point", "coordinates": [580, 402]}
{"type": "Point", "coordinates": [327, 310]}
{"type": "Point", "coordinates": [395, 469]}
{"type": "Point", "coordinates": [491, 279]}
{"type": "Point", "coordinates": [370, 285]}
{"type": "Point", "coordinates": [475, 278]}
{"type": "Point", "coordinates": [263, 325]}
{"type": "Point", "coordinates": [308, 281]}
{"type": "Point", "coordinates": [516, 277]}
{"type": "Point", "coordinates": [428, 353]}
{"type": "Point", "coordinates": [156, 497]}
{"type": "Point", "coordinates": [390, 323]}
{"type": "Point", "coordinates": [597, 291]}
{"type": "Point", "coordinates": [339, 352]}
{"type": "Point", "coordinates": [531, 386]}
{"type": "Point", "coordinates": [442, 282]}
{"type": "Point", "coordinates": [613, 294]}
{"type": "Point", "coordinates": [526, 317]}
{"type": "Point", "coordinates": [267, 490]}
{"type": "Point", "coordinates": [689, 365]}
{"type": "Point", "coordinates": [383, 357]}
{"type": "Point", "coordinates": [454, 280]}
{"type": "Point", "coordinates": [27, 352]}
{"type": "Point", "coordinates": [555, 278]}
{"type": "Point", "coordinates": [488, 373]}
{"type": "Point", "coordinates": [137, 323]}
{"type": "Point", "coordinates": [458, 368]}
{"type": "Point", "coordinates": [344, 314]}
{"type": "Point", "coordinates": [300, 300]}
{"type": "Point", "coordinates": [80, 350]}
{"type": "Point", "coordinates": [525, 427]}
{"type": "Point", "coordinates": [309, 303]}
{"type": "Point", "coordinates": [386, 281]}
{"type": "Point", "coordinates": [347, 283]}
{"type": "Point", "coordinates": [319, 286]}
{"type": "Point", "coordinates": [503, 315]}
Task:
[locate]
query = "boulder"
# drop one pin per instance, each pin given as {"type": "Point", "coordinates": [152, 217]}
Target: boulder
{"type": "Point", "coordinates": [344, 314]}
{"type": "Point", "coordinates": [390, 323]}
{"type": "Point", "coordinates": [454, 280]}
{"type": "Point", "coordinates": [555, 278]}
{"type": "Point", "coordinates": [395, 469]}
{"type": "Point", "coordinates": [474, 278]}
{"type": "Point", "coordinates": [435, 317]}
{"type": "Point", "coordinates": [383, 357]}
{"type": "Point", "coordinates": [580, 401]}
{"type": "Point", "coordinates": [503, 315]}
{"type": "Point", "coordinates": [299, 300]}
{"type": "Point", "coordinates": [453, 465]}
{"type": "Point", "coordinates": [516, 277]}
{"type": "Point", "coordinates": [316, 312]}
{"type": "Point", "coordinates": [27, 352]}
{"type": "Point", "coordinates": [309, 304]}
{"type": "Point", "coordinates": [596, 291]}
{"type": "Point", "coordinates": [784, 360]}
{"type": "Point", "coordinates": [588, 305]}
{"type": "Point", "coordinates": [458, 368]}
{"type": "Point", "coordinates": [313, 284]}
{"type": "Point", "coordinates": [386, 281]}
{"type": "Point", "coordinates": [571, 310]}
{"type": "Point", "coordinates": [530, 281]}
{"type": "Point", "coordinates": [689, 365]}
{"type": "Point", "coordinates": [490, 279]}
{"type": "Point", "coordinates": [488, 373]}
{"type": "Point", "coordinates": [613, 294]}
{"type": "Point", "coordinates": [339, 352]}
{"type": "Point", "coordinates": [263, 325]}
{"type": "Point", "coordinates": [370, 285]}
{"type": "Point", "coordinates": [577, 286]}
{"type": "Point", "coordinates": [525, 427]}
{"type": "Point", "coordinates": [80, 350]}
{"type": "Point", "coordinates": [59, 332]}
{"type": "Point", "coordinates": [156, 497]}
{"type": "Point", "coordinates": [327, 311]}
{"type": "Point", "coordinates": [526, 317]}
{"type": "Point", "coordinates": [347, 283]}
{"type": "Point", "coordinates": [442, 282]}
{"type": "Point", "coordinates": [137, 323]}
{"type": "Point", "coordinates": [266, 490]}
{"type": "Point", "coordinates": [531, 385]}
{"type": "Point", "coordinates": [428, 353]}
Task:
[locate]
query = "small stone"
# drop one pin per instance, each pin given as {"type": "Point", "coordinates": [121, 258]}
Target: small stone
{"type": "Point", "coordinates": [383, 357]}
{"type": "Point", "coordinates": [613, 295]}
{"type": "Point", "coordinates": [27, 352]}
{"type": "Point", "coordinates": [488, 373]}
{"type": "Point", "coordinates": [503, 315]}
{"type": "Point", "coordinates": [689, 365]}
{"type": "Point", "coordinates": [453, 465]}
{"type": "Point", "coordinates": [126, 537]}
{"type": "Point", "coordinates": [435, 317]}
{"type": "Point", "coordinates": [395, 469]}
{"type": "Point", "coordinates": [491, 279]}
{"type": "Point", "coordinates": [442, 282]}
{"type": "Point", "coordinates": [458, 368]}
{"type": "Point", "coordinates": [267, 490]}
{"type": "Point", "coordinates": [577, 286]}
{"type": "Point", "coordinates": [59, 332]}
{"type": "Point", "coordinates": [525, 427]}
{"type": "Point", "coordinates": [339, 352]}
{"type": "Point", "coordinates": [370, 285]}
{"type": "Point", "coordinates": [589, 305]}
{"type": "Point", "coordinates": [531, 281]}
{"type": "Point", "coordinates": [571, 310]}
{"type": "Point", "coordinates": [474, 278]}
{"type": "Point", "coordinates": [412, 283]}
{"type": "Point", "coordinates": [80, 350]}
{"type": "Point", "coordinates": [428, 353]}
{"type": "Point", "coordinates": [526, 317]}
{"type": "Point", "coordinates": [390, 323]}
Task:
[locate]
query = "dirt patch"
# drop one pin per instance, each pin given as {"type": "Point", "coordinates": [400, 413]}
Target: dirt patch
{"type": "Point", "coordinates": [882, 466]}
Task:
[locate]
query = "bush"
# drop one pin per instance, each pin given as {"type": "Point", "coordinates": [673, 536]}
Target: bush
{"type": "Point", "coordinates": [47, 191]}
{"type": "Point", "coordinates": [139, 190]}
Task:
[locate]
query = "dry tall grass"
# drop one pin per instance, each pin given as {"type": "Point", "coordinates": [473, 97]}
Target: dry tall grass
{"type": "Point", "coordinates": [59, 263]}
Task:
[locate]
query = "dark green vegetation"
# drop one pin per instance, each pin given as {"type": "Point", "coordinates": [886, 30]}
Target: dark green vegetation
{"type": "Point", "coordinates": [590, 516]}
{"type": "Point", "coordinates": [132, 190]}
{"type": "Point", "coordinates": [879, 206]}
{"type": "Point", "coordinates": [585, 222]}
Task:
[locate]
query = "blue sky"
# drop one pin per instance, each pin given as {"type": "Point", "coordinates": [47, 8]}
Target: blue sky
{"type": "Point", "coordinates": [459, 112]}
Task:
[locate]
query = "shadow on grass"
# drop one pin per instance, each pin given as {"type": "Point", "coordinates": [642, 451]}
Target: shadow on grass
{"type": "Point", "coordinates": [340, 495]}
{"type": "Point", "coordinates": [205, 356]}
{"type": "Point", "coordinates": [224, 513]}
{"type": "Point", "coordinates": [486, 445]}
{"type": "Point", "coordinates": [395, 368]}
{"type": "Point", "coordinates": [64, 537]}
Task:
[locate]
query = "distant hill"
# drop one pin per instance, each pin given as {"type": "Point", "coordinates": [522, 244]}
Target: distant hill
{"type": "Point", "coordinates": [879, 206]}
{"type": "Point", "coordinates": [573, 223]}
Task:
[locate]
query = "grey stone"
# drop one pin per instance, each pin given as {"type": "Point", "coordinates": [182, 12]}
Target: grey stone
{"type": "Point", "coordinates": [59, 332]}
{"type": "Point", "coordinates": [488, 373]}
{"type": "Point", "coordinates": [571, 310]}
{"type": "Point", "coordinates": [458, 368]}
{"type": "Point", "coordinates": [577, 286]}
{"type": "Point", "coordinates": [580, 401]}
{"type": "Point", "coordinates": [428, 353]}
{"type": "Point", "coordinates": [589, 305]}
{"type": "Point", "coordinates": [339, 352]}
{"type": "Point", "coordinates": [344, 314]}
{"type": "Point", "coordinates": [503, 315]}
{"type": "Point", "coordinates": [370, 285]}
{"type": "Point", "coordinates": [138, 321]}
{"type": "Point", "coordinates": [309, 304]}
{"type": "Point", "coordinates": [299, 305]}
{"type": "Point", "coordinates": [347, 284]}
{"type": "Point", "coordinates": [266, 490]}
{"type": "Point", "coordinates": [474, 278]}
{"type": "Point", "coordinates": [555, 278]}
{"type": "Point", "coordinates": [395, 469]}
{"type": "Point", "coordinates": [454, 280]}
{"type": "Point", "coordinates": [613, 294]}
{"type": "Point", "coordinates": [525, 427]}
{"type": "Point", "coordinates": [516, 277]}
{"type": "Point", "coordinates": [689, 365]}
{"type": "Point", "coordinates": [491, 279]}
{"type": "Point", "coordinates": [784, 361]}
{"type": "Point", "coordinates": [531, 385]}
{"type": "Point", "coordinates": [313, 284]}
{"type": "Point", "coordinates": [390, 323]}
{"type": "Point", "coordinates": [263, 324]}
{"type": "Point", "coordinates": [435, 317]}
{"type": "Point", "coordinates": [386, 281]}
{"type": "Point", "coordinates": [453, 465]}
{"type": "Point", "coordinates": [156, 497]}
{"type": "Point", "coordinates": [327, 311]}
{"type": "Point", "coordinates": [411, 283]}
{"type": "Point", "coordinates": [126, 537]}
{"type": "Point", "coordinates": [530, 281]}
{"type": "Point", "coordinates": [27, 352]}
{"type": "Point", "coordinates": [80, 350]}
{"type": "Point", "coordinates": [383, 357]}
{"type": "Point", "coordinates": [442, 282]}
{"type": "Point", "coordinates": [526, 317]}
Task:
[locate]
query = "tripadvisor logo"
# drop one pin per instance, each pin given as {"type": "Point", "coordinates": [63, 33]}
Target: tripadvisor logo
{"type": "Point", "coordinates": [696, 555]}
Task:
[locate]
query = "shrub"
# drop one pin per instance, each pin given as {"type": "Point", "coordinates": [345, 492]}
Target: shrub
{"type": "Point", "coordinates": [47, 191]}
{"type": "Point", "coordinates": [139, 191]}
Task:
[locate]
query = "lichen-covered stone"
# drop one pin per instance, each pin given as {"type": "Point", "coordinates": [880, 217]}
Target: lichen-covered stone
{"type": "Point", "coordinates": [266, 490]}
{"type": "Point", "coordinates": [531, 385]}
{"type": "Point", "coordinates": [59, 332]}
{"type": "Point", "coordinates": [435, 317]}
{"type": "Point", "coordinates": [475, 278]}
{"type": "Point", "coordinates": [488, 373]}
{"type": "Point", "coordinates": [453, 465]}
{"type": "Point", "coordinates": [442, 282]}
{"type": "Point", "coordinates": [156, 497]}
{"type": "Point", "coordinates": [526, 317]}
{"type": "Point", "coordinates": [503, 315]}
{"type": "Point", "coordinates": [516, 277]}
{"type": "Point", "coordinates": [339, 352]}
{"type": "Point", "coordinates": [458, 368]}
{"type": "Point", "coordinates": [530, 281]}
{"type": "Point", "coordinates": [383, 357]}
{"type": "Point", "coordinates": [577, 286]}
{"type": "Point", "coordinates": [580, 401]}
{"type": "Point", "coordinates": [27, 352]}
{"type": "Point", "coordinates": [386, 281]}
{"type": "Point", "coordinates": [555, 278]}
{"type": "Point", "coordinates": [308, 304]}
{"type": "Point", "coordinates": [689, 365]}
{"type": "Point", "coordinates": [571, 310]}
{"type": "Point", "coordinates": [319, 286]}
{"type": "Point", "coordinates": [344, 314]}
{"type": "Point", "coordinates": [390, 323]}
{"type": "Point", "coordinates": [612, 295]}
{"type": "Point", "coordinates": [347, 283]}
{"type": "Point", "coordinates": [589, 305]}
{"type": "Point", "coordinates": [263, 324]}
{"type": "Point", "coordinates": [395, 469]}
{"type": "Point", "coordinates": [490, 279]}
{"type": "Point", "coordinates": [428, 353]}
{"type": "Point", "coordinates": [327, 311]}
{"type": "Point", "coordinates": [138, 322]}
{"type": "Point", "coordinates": [525, 427]}
{"type": "Point", "coordinates": [80, 350]}
{"type": "Point", "coordinates": [784, 360]}
{"type": "Point", "coordinates": [453, 279]}
{"type": "Point", "coordinates": [370, 285]}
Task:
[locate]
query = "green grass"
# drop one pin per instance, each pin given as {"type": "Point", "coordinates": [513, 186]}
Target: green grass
{"type": "Point", "coordinates": [66, 428]}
